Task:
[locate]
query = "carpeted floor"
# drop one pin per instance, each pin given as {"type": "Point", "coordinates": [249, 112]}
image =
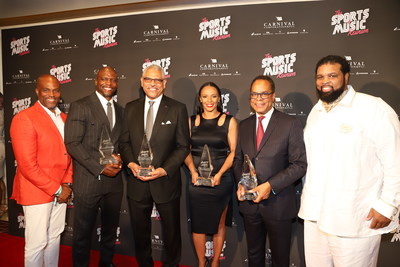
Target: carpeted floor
{"type": "Point", "coordinates": [12, 253]}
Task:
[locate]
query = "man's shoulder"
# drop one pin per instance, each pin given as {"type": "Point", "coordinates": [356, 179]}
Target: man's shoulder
{"type": "Point", "coordinates": [172, 102]}
{"type": "Point", "coordinates": [84, 100]}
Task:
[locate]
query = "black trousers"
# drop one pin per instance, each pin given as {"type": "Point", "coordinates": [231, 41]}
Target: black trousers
{"type": "Point", "coordinates": [140, 213]}
{"type": "Point", "coordinates": [257, 227]}
{"type": "Point", "coordinates": [86, 207]}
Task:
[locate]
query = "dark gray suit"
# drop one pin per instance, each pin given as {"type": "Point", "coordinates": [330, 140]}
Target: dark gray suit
{"type": "Point", "coordinates": [83, 128]}
{"type": "Point", "coordinates": [170, 145]}
{"type": "Point", "coordinates": [280, 160]}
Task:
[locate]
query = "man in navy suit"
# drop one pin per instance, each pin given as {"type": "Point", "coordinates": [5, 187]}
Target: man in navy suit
{"type": "Point", "coordinates": [274, 143]}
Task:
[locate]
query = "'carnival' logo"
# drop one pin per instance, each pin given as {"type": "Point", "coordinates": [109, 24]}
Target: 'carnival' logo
{"type": "Point", "coordinates": [163, 63]}
{"type": "Point", "coordinates": [105, 38]}
{"type": "Point", "coordinates": [215, 29]}
{"type": "Point", "coordinates": [19, 105]}
{"type": "Point", "coordinates": [62, 73]}
{"type": "Point", "coordinates": [352, 23]}
{"type": "Point", "coordinates": [214, 65]}
{"type": "Point", "coordinates": [156, 31]}
{"type": "Point", "coordinates": [281, 65]}
{"type": "Point", "coordinates": [20, 46]}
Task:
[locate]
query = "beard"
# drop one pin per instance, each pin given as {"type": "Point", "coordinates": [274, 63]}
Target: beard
{"type": "Point", "coordinates": [329, 97]}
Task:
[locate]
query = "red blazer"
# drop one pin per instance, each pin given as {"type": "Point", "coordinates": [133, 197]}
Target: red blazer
{"type": "Point", "coordinates": [43, 163]}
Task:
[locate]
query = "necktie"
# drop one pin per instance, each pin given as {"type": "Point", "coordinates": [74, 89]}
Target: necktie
{"type": "Point", "coordinates": [149, 120]}
{"type": "Point", "coordinates": [110, 114]}
{"type": "Point", "coordinates": [260, 131]}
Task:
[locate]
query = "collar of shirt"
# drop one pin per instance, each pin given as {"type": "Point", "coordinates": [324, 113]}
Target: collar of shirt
{"type": "Point", "coordinates": [156, 105]}
{"type": "Point", "coordinates": [56, 112]}
{"type": "Point", "coordinates": [265, 121]}
{"type": "Point", "coordinates": [104, 102]}
{"type": "Point", "coordinates": [56, 118]}
{"type": "Point", "coordinates": [345, 100]}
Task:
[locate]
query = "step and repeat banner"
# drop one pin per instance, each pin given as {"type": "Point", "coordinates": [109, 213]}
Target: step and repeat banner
{"type": "Point", "coordinates": [227, 45]}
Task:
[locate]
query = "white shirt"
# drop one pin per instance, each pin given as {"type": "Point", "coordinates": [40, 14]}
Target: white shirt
{"type": "Point", "coordinates": [265, 121]}
{"type": "Point", "coordinates": [156, 105]}
{"type": "Point", "coordinates": [353, 155]}
{"type": "Point", "coordinates": [104, 102]}
{"type": "Point", "coordinates": [56, 117]}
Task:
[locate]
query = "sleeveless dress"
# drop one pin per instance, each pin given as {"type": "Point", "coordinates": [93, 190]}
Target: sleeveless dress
{"type": "Point", "coordinates": [207, 203]}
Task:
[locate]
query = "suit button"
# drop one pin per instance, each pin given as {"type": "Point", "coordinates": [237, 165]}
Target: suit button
{"type": "Point", "coordinates": [65, 154]}
{"type": "Point", "coordinates": [256, 158]}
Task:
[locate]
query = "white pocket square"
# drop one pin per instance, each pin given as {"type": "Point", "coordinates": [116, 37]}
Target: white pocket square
{"type": "Point", "coordinates": [165, 123]}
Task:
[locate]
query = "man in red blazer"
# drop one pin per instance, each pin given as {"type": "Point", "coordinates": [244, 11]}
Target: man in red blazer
{"type": "Point", "coordinates": [44, 172]}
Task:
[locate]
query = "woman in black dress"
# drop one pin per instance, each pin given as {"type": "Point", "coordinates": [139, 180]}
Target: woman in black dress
{"type": "Point", "coordinates": [209, 205]}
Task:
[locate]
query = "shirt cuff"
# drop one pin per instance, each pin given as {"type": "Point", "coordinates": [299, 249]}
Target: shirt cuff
{"type": "Point", "coordinates": [58, 191]}
{"type": "Point", "coordinates": [384, 208]}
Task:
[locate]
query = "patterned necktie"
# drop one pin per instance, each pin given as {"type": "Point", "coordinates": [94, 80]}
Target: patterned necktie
{"type": "Point", "coordinates": [149, 120]}
{"type": "Point", "coordinates": [110, 114]}
{"type": "Point", "coordinates": [260, 131]}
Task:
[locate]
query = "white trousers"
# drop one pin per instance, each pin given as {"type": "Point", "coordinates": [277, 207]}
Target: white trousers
{"type": "Point", "coordinates": [326, 250]}
{"type": "Point", "coordinates": [43, 225]}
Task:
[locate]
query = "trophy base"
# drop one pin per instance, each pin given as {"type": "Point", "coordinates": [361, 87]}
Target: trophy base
{"type": "Point", "coordinates": [109, 160]}
{"type": "Point", "coordinates": [249, 196]}
{"type": "Point", "coordinates": [145, 171]}
{"type": "Point", "coordinates": [204, 182]}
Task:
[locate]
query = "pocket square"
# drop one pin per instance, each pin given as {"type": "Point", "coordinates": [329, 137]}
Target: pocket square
{"type": "Point", "coordinates": [166, 123]}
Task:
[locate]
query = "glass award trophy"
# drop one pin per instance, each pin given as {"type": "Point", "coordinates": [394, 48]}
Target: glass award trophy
{"type": "Point", "coordinates": [249, 179]}
{"type": "Point", "coordinates": [106, 148]}
{"type": "Point", "coordinates": [205, 168]}
{"type": "Point", "coordinates": [145, 157]}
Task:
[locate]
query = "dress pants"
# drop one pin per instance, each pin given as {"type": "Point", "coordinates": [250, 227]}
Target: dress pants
{"type": "Point", "coordinates": [171, 231]}
{"type": "Point", "coordinates": [326, 250]}
{"type": "Point", "coordinates": [257, 227]}
{"type": "Point", "coordinates": [85, 214]}
{"type": "Point", "coordinates": [44, 224]}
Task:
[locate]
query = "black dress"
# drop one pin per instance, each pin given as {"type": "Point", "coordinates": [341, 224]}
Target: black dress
{"type": "Point", "coordinates": [208, 203]}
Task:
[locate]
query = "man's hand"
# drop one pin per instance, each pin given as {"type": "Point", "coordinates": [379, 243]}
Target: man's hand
{"type": "Point", "coordinates": [117, 157]}
{"type": "Point", "coordinates": [157, 173]}
{"type": "Point", "coordinates": [378, 220]}
{"type": "Point", "coordinates": [263, 191]}
{"type": "Point", "coordinates": [65, 194]}
{"type": "Point", "coordinates": [111, 169]}
{"type": "Point", "coordinates": [134, 168]}
{"type": "Point", "coordinates": [240, 192]}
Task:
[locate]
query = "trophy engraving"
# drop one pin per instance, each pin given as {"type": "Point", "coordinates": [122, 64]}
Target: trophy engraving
{"type": "Point", "coordinates": [106, 148]}
{"type": "Point", "coordinates": [145, 157]}
{"type": "Point", "coordinates": [249, 179]}
{"type": "Point", "coordinates": [205, 168]}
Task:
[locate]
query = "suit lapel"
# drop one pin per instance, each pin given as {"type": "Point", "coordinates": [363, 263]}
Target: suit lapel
{"type": "Point", "coordinates": [118, 123]}
{"type": "Point", "coordinates": [273, 122]}
{"type": "Point", "coordinates": [48, 120]}
{"type": "Point", "coordinates": [161, 113]}
{"type": "Point", "coordinates": [98, 111]}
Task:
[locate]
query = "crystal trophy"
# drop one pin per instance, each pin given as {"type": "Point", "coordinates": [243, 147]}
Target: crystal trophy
{"type": "Point", "coordinates": [106, 148]}
{"type": "Point", "coordinates": [205, 168]}
{"type": "Point", "coordinates": [145, 157]}
{"type": "Point", "coordinates": [249, 179]}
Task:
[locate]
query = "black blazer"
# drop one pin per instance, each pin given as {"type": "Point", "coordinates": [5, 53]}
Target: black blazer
{"type": "Point", "coordinates": [169, 143]}
{"type": "Point", "coordinates": [281, 160]}
{"type": "Point", "coordinates": [83, 128]}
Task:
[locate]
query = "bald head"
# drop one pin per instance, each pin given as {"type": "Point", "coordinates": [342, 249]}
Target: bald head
{"type": "Point", "coordinates": [48, 91]}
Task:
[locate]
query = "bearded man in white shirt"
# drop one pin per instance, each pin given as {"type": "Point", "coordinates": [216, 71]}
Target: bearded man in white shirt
{"type": "Point", "coordinates": [351, 194]}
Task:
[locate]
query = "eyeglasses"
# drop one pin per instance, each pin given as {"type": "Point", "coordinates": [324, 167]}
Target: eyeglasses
{"type": "Point", "coordinates": [149, 80]}
{"type": "Point", "coordinates": [263, 95]}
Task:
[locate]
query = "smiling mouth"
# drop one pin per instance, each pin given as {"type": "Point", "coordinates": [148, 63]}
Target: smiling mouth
{"type": "Point", "coordinates": [326, 88]}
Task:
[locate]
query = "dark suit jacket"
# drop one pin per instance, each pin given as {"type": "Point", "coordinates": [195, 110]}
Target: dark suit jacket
{"type": "Point", "coordinates": [169, 143]}
{"type": "Point", "coordinates": [83, 128]}
{"type": "Point", "coordinates": [280, 160]}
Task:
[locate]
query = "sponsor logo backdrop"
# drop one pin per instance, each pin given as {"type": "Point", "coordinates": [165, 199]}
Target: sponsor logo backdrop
{"type": "Point", "coordinates": [227, 45]}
